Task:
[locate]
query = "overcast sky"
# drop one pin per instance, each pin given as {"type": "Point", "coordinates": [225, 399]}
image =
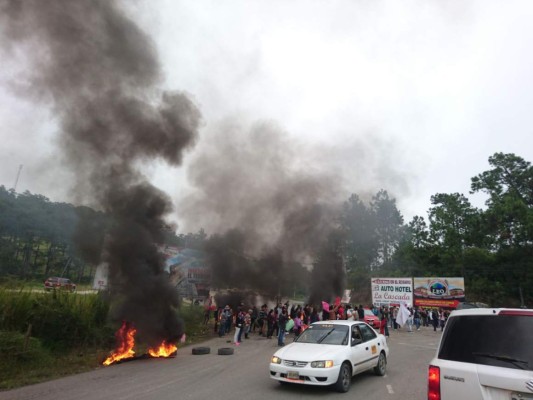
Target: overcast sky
{"type": "Point", "coordinates": [407, 96]}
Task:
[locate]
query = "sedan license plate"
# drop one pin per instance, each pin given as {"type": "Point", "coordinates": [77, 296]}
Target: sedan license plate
{"type": "Point", "coordinates": [293, 375]}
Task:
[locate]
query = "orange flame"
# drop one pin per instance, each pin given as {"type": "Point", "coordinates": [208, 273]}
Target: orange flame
{"type": "Point", "coordinates": [165, 350]}
{"type": "Point", "coordinates": [125, 342]}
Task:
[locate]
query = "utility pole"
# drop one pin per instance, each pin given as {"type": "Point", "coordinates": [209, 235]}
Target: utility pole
{"type": "Point", "coordinates": [522, 304]}
{"type": "Point", "coordinates": [17, 179]}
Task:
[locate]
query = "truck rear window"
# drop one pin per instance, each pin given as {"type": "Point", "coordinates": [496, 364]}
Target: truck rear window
{"type": "Point", "coordinates": [497, 340]}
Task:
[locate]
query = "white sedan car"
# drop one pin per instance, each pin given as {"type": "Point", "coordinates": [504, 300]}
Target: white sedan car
{"type": "Point", "coordinates": [330, 353]}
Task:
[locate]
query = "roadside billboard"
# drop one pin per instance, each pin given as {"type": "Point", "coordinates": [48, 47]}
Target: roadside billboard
{"type": "Point", "coordinates": [392, 291]}
{"type": "Point", "coordinates": [439, 292]}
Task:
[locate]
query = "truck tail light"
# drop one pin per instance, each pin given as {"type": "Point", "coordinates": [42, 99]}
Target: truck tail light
{"type": "Point", "coordinates": [433, 383]}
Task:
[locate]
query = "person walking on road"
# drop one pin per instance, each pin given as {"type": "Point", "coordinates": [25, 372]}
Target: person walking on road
{"type": "Point", "coordinates": [350, 313]}
{"type": "Point", "coordinates": [247, 323]}
{"type": "Point", "coordinates": [434, 320]}
{"type": "Point", "coordinates": [386, 315]}
{"type": "Point", "coordinates": [442, 319]}
{"type": "Point", "coordinates": [416, 317]}
{"type": "Point", "coordinates": [282, 323]}
{"type": "Point", "coordinates": [262, 320]}
{"type": "Point", "coordinates": [239, 326]}
{"type": "Point", "coordinates": [271, 321]}
{"type": "Point", "coordinates": [361, 313]}
{"type": "Point", "coordinates": [410, 321]}
{"type": "Point", "coordinates": [254, 314]}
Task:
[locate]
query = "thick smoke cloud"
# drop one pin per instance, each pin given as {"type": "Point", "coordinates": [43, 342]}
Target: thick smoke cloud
{"type": "Point", "coordinates": [271, 202]}
{"type": "Point", "coordinates": [99, 73]}
{"type": "Point", "coordinates": [271, 206]}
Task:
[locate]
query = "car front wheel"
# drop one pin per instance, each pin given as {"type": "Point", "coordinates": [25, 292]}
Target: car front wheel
{"type": "Point", "coordinates": [381, 367]}
{"type": "Point", "coordinates": [344, 380]}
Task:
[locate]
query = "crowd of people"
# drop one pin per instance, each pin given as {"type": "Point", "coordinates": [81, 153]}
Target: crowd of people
{"type": "Point", "coordinates": [415, 317]}
{"type": "Point", "coordinates": [282, 319]}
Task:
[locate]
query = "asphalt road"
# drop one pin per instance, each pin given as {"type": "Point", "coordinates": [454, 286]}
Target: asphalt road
{"type": "Point", "coordinates": [243, 375]}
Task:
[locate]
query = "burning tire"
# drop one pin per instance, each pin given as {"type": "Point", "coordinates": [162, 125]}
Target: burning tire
{"type": "Point", "coordinates": [201, 350]}
{"type": "Point", "coordinates": [225, 351]}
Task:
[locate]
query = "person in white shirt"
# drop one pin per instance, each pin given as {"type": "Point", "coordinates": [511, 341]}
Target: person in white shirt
{"type": "Point", "coordinates": [350, 314]}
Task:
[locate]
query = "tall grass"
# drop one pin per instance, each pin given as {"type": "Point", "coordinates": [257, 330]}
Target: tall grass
{"type": "Point", "coordinates": [47, 335]}
{"type": "Point", "coordinates": [193, 318]}
{"type": "Point", "coordinates": [58, 319]}
{"type": "Point", "coordinates": [69, 333]}
{"type": "Point", "coordinates": [21, 359]}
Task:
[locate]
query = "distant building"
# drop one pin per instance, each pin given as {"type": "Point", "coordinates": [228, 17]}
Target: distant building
{"type": "Point", "coordinates": [189, 272]}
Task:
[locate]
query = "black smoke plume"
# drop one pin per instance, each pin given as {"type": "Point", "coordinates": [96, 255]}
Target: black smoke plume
{"type": "Point", "coordinates": [272, 210]}
{"type": "Point", "coordinates": [99, 72]}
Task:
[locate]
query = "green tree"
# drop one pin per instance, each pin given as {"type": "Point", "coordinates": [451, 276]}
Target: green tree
{"type": "Point", "coordinates": [509, 185]}
{"type": "Point", "coordinates": [509, 221]}
{"type": "Point", "coordinates": [358, 221]}
{"type": "Point", "coordinates": [388, 225]}
{"type": "Point", "coordinates": [418, 232]}
{"type": "Point", "coordinates": [411, 256]}
{"type": "Point", "coordinates": [453, 221]}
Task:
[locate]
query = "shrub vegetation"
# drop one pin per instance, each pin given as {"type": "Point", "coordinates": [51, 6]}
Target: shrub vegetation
{"type": "Point", "coordinates": [48, 335]}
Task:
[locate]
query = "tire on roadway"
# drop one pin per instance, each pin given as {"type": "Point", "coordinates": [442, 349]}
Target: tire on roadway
{"type": "Point", "coordinates": [225, 351]}
{"type": "Point", "coordinates": [345, 379]}
{"type": "Point", "coordinates": [201, 350]}
{"type": "Point", "coordinates": [381, 367]}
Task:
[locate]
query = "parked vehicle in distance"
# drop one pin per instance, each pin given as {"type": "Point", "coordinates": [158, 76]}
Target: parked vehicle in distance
{"type": "Point", "coordinates": [371, 319]}
{"type": "Point", "coordinates": [59, 283]}
{"type": "Point", "coordinates": [331, 353]}
{"type": "Point", "coordinates": [484, 353]}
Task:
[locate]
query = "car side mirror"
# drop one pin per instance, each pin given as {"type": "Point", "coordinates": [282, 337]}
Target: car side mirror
{"type": "Point", "coordinates": [356, 341]}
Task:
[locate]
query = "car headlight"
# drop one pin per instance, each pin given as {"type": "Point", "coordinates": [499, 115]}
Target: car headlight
{"type": "Point", "coordinates": [322, 364]}
{"type": "Point", "coordinates": [276, 360]}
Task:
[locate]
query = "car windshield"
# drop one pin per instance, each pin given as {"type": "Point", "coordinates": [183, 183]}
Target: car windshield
{"type": "Point", "coordinates": [369, 313]}
{"type": "Point", "coordinates": [325, 334]}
